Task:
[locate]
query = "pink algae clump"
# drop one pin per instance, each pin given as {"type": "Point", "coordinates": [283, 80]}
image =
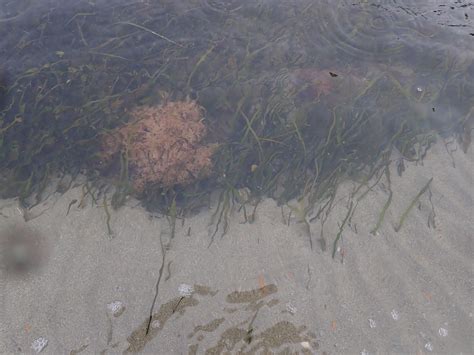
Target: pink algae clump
{"type": "Point", "coordinates": [163, 145]}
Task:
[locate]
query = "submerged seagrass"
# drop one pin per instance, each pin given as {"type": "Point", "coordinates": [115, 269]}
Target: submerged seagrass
{"type": "Point", "coordinates": [294, 111]}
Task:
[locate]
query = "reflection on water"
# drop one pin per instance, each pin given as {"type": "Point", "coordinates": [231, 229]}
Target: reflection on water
{"type": "Point", "coordinates": [296, 94]}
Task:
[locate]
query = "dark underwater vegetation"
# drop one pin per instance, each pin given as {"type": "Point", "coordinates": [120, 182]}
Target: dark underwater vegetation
{"type": "Point", "coordinates": [299, 96]}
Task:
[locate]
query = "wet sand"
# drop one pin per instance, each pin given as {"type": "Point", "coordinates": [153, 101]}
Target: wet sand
{"type": "Point", "coordinates": [258, 288]}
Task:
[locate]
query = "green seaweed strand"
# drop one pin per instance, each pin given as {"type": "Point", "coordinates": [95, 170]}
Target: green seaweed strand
{"type": "Point", "coordinates": [341, 228]}
{"type": "Point", "coordinates": [412, 204]}
{"type": "Point", "coordinates": [107, 212]}
{"type": "Point", "coordinates": [386, 205]}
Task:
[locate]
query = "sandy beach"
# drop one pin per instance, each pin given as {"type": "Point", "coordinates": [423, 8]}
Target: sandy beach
{"type": "Point", "coordinates": [260, 288]}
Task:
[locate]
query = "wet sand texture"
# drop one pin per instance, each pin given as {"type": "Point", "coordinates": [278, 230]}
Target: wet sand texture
{"type": "Point", "coordinates": [260, 287]}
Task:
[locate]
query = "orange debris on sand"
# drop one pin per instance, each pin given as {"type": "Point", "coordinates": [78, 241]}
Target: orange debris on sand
{"type": "Point", "coordinates": [163, 145]}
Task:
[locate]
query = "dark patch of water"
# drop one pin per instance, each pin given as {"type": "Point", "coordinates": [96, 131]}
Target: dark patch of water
{"type": "Point", "coordinates": [289, 87]}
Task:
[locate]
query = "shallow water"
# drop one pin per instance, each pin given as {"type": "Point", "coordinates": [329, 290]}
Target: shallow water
{"type": "Point", "coordinates": [299, 97]}
{"type": "Point", "coordinates": [420, 40]}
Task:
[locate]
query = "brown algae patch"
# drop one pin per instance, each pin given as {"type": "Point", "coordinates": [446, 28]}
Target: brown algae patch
{"type": "Point", "coordinates": [273, 302]}
{"type": "Point", "coordinates": [209, 327]}
{"type": "Point", "coordinates": [281, 334]}
{"type": "Point", "coordinates": [78, 351]}
{"type": "Point", "coordinates": [230, 310]}
{"type": "Point", "coordinates": [228, 340]}
{"type": "Point", "coordinates": [193, 349]}
{"type": "Point", "coordinates": [138, 339]}
{"type": "Point", "coordinates": [252, 295]}
{"type": "Point", "coordinates": [204, 290]}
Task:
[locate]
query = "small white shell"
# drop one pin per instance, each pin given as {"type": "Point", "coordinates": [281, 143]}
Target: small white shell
{"type": "Point", "coordinates": [39, 344]}
{"type": "Point", "coordinates": [372, 323]}
{"type": "Point", "coordinates": [185, 290]}
{"type": "Point", "coordinates": [395, 315]}
{"type": "Point", "coordinates": [290, 308]}
{"type": "Point", "coordinates": [116, 308]}
{"type": "Point", "coordinates": [305, 345]}
{"type": "Point", "coordinates": [428, 346]}
{"type": "Point", "coordinates": [443, 332]}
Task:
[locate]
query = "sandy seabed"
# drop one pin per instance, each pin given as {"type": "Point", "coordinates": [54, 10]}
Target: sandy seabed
{"type": "Point", "coordinates": [258, 289]}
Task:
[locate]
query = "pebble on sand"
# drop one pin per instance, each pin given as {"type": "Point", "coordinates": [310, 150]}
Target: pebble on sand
{"type": "Point", "coordinates": [116, 308]}
{"type": "Point", "coordinates": [395, 315]}
{"type": "Point", "coordinates": [39, 344]}
{"type": "Point", "coordinates": [372, 323]}
{"type": "Point", "coordinates": [443, 332]}
{"type": "Point", "coordinates": [185, 290]}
